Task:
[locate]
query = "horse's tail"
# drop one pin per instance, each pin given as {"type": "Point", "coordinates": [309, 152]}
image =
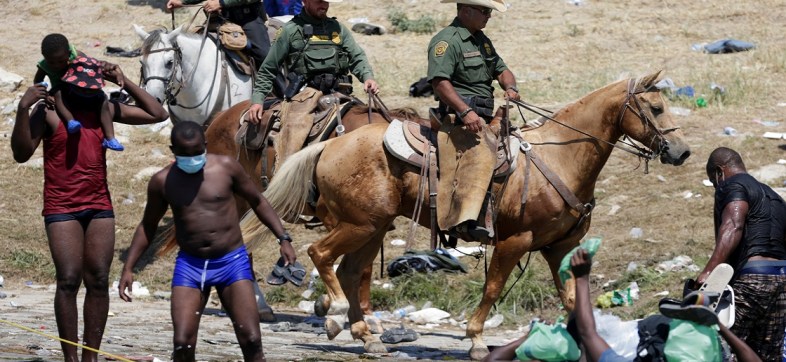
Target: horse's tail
{"type": "Point", "coordinates": [287, 193]}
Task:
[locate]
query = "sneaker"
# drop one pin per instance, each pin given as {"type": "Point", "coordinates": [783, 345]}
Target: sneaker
{"type": "Point", "coordinates": [73, 126]}
{"type": "Point", "coordinates": [112, 144]}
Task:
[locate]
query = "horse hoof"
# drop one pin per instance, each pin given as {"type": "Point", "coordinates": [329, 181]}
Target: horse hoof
{"type": "Point", "coordinates": [322, 305]}
{"type": "Point", "coordinates": [332, 328]}
{"type": "Point", "coordinates": [375, 347]}
{"type": "Point", "coordinates": [478, 353]}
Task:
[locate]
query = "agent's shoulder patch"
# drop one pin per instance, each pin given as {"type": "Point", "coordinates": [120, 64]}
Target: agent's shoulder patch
{"type": "Point", "coordinates": [440, 48]}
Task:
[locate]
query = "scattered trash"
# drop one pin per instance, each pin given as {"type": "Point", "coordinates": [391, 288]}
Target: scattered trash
{"type": "Point", "coordinates": [636, 233]}
{"type": "Point", "coordinates": [701, 102]}
{"type": "Point", "coordinates": [781, 104]}
{"type": "Point", "coordinates": [14, 304]}
{"type": "Point", "coordinates": [398, 335]}
{"type": "Point", "coordinates": [614, 209]}
{"type": "Point", "coordinates": [678, 263]}
{"type": "Point", "coordinates": [576, 2]}
{"type": "Point", "coordinates": [632, 266]}
{"type": "Point", "coordinates": [686, 91]}
{"type": "Point", "coordinates": [398, 242]}
{"type": "Point", "coordinates": [357, 20]}
{"type": "Point", "coordinates": [707, 183]}
{"type": "Point", "coordinates": [460, 251]}
{"type": "Point", "coordinates": [618, 297]}
{"type": "Point", "coordinates": [661, 178]}
{"type": "Point", "coordinates": [728, 46]}
{"type": "Point", "coordinates": [369, 29]}
{"type": "Point", "coordinates": [666, 83]}
{"type": "Point", "coordinates": [773, 135]}
{"type": "Point", "coordinates": [621, 336]}
{"type": "Point", "coordinates": [717, 88]}
{"type": "Point", "coordinates": [28, 283]}
{"type": "Point", "coordinates": [679, 111]}
{"type": "Point", "coordinates": [766, 123]}
{"type": "Point", "coordinates": [403, 312]}
{"type": "Point", "coordinates": [128, 199]}
{"type": "Point", "coordinates": [383, 315]}
{"type": "Point", "coordinates": [494, 321]}
{"type": "Point", "coordinates": [729, 131]}
{"type": "Point", "coordinates": [780, 162]}
{"type": "Point", "coordinates": [661, 294]}
{"type": "Point", "coordinates": [306, 306]}
{"type": "Point", "coordinates": [428, 315]}
{"type": "Point", "coordinates": [687, 194]}
{"type": "Point", "coordinates": [3, 295]}
{"type": "Point", "coordinates": [2, 281]}
{"type": "Point", "coordinates": [425, 261]}
{"type": "Point", "coordinates": [398, 355]}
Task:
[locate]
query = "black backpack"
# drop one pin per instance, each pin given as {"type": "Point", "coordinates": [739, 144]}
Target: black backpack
{"type": "Point", "coordinates": [653, 332]}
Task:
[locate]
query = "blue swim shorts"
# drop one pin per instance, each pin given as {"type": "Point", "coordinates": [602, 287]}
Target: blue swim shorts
{"type": "Point", "coordinates": [203, 274]}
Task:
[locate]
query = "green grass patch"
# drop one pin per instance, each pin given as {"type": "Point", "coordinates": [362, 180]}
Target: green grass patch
{"type": "Point", "coordinates": [425, 24]}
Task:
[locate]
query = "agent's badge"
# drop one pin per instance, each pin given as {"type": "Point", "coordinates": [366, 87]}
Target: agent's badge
{"type": "Point", "coordinates": [336, 38]}
{"type": "Point", "coordinates": [440, 48]}
{"type": "Point", "coordinates": [488, 49]}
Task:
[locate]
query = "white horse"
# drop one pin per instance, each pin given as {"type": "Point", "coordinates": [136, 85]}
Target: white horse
{"type": "Point", "coordinates": [190, 73]}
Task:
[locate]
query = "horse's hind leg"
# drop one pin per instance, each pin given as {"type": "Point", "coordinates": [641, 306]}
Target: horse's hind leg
{"type": "Point", "coordinates": [350, 274]}
{"type": "Point", "coordinates": [506, 254]}
{"type": "Point", "coordinates": [553, 256]}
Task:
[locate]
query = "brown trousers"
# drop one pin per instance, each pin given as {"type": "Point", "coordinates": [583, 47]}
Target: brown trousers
{"type": "Point", "coordinates": [296, 121]}
{"type": "Point", "coordinates": [466, 166]}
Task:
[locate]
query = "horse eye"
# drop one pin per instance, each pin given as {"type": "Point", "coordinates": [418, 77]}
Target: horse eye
{"type": "Point", "coordinates": [657, 110]}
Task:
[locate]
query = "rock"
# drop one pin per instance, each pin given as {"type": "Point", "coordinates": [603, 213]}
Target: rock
{"type": "Point", "coordinates": [769, 173]}
{"type": "Point", "coordinates": [9, 82]}
{"type": "Point", "coordinates": [35, 163]}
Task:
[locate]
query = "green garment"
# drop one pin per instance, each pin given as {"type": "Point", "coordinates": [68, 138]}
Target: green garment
{"type": "Point", "coordinates": [54, 77]}
{"type": "Point", "coordinates": [226, 3]}
{"type": "Point", "coordinates": [331, 49]}
{"type": "Point", "coordinates": [468, 61]}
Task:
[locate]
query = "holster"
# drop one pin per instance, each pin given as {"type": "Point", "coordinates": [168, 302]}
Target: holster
{"type": "Point", "coordinates": [484, 107]}
{"type": "Point", "coordinates": [295, 82]}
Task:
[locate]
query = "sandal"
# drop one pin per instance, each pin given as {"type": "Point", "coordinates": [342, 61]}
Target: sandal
{"type": "Point", "coordinates": [695, 308]}
{"type": "Point", "coordinates": [276, 277]}
{"type": "Point", "coordinates": [295, 273]}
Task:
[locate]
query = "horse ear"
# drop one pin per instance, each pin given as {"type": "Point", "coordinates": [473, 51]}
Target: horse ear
{"type": "Point", "coordinates": [174, 33]}
{"type": "Point", "coordinates": [649, 80]}
{"type": "Point", "coordinates": [141, 32]}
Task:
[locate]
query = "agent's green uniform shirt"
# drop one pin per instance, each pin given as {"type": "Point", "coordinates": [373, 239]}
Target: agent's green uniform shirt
{"type": "Point", "coordinates": [330, 50]}
{"type": "Point", "coordinates": [468, 61]}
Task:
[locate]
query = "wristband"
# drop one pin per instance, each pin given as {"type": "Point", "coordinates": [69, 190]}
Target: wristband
{"type": "Point", "coordinates": [514, 88]}
{"type": "Point", "coordinates": [465, 112]}
{"type": "Point", "coordinates": [283, 237]}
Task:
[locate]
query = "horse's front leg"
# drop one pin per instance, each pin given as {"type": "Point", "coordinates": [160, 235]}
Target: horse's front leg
{"type": "Point", "coordinates": [506, 254]}
{"type": "Point", "coordinates": [554, 255]}
{"type": "Point", "coordinates": [350, 273]}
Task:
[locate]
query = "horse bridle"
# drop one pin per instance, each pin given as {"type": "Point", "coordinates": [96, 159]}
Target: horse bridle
{"type": "Point", "coordinates": [638, 151]}
{"type": "Point", "coordinates": [169, 96]}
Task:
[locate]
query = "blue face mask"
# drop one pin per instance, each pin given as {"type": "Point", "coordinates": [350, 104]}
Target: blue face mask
{"type": "Point", "coordinates": [191, 164]}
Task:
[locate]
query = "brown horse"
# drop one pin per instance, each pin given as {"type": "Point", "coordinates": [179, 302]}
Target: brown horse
{"type": "Point", "coordinates": [220, 137]}
{"type": "Point", "coordinates": [363, 188]}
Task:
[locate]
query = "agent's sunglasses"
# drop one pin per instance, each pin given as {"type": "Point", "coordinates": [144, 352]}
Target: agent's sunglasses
{"type": "Point", "coordinates": [484, 11]}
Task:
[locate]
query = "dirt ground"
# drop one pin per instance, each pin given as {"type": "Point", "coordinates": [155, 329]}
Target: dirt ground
{"type": "Point", "coordinates": [559, 52]}
{"type": "Point", "coordinates": [141, 330]}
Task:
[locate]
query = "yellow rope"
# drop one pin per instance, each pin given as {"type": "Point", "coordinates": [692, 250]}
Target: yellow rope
{"type": "Point", "coordinates": [66, 341]}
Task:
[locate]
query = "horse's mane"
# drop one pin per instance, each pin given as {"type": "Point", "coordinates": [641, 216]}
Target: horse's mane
{"type": "Point", "coordinates": [155, 37]}
{"type": "Point", "coordinates": [408, 113]}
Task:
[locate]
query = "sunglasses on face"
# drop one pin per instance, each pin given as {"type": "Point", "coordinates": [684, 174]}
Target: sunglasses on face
{"type": "Point", "coordinates": [484, 11]}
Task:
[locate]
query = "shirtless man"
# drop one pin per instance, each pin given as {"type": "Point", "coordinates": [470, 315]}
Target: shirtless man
{"type": "Point", "coordinates": [199, 188]}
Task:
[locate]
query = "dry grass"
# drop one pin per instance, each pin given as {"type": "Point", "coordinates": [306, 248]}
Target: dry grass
{"type": "Point", "coordinates": [558, 52]}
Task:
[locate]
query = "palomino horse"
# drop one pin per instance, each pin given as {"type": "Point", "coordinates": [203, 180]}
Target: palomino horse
{"type": "Point", "coordinates": [188, 72]}
{"type": "Point", "coordinates": [364, 188]}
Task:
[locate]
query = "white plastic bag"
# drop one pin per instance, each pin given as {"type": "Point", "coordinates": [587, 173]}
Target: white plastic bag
{"type": "Point", "coordinates": [622, 336]}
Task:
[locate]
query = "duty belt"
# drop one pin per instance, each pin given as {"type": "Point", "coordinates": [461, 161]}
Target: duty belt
{"type": "Point", "coordinates": [484, 107]}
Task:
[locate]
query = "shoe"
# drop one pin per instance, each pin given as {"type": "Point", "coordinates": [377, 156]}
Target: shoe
{"type": "Point", "coordinates": [276, 276]}
{"type": "Point", "coordinates": [112, 144]}
{"type": "Point", "coordinates": [398, 335]}
{"type": "Point", "coordinates": [295, 273]}
{"type": "Point", "coordinates": [73, 126]}
{"type": "Point", "coordinates": [694, 308]}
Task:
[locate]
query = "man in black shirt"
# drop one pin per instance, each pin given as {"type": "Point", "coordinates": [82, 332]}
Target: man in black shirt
{"type": "Point", "coordinates": [750, 219]}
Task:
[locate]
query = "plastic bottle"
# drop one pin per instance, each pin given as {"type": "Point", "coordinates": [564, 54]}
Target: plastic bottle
{"type": "Point", "coordinates": [402, 312]}
{"type": "Point", "coordinates": [383, 314]}
{"type": "Point", "coordinates": [701, 102]}
{"type": "Point", "coordinates": [494, 321]}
